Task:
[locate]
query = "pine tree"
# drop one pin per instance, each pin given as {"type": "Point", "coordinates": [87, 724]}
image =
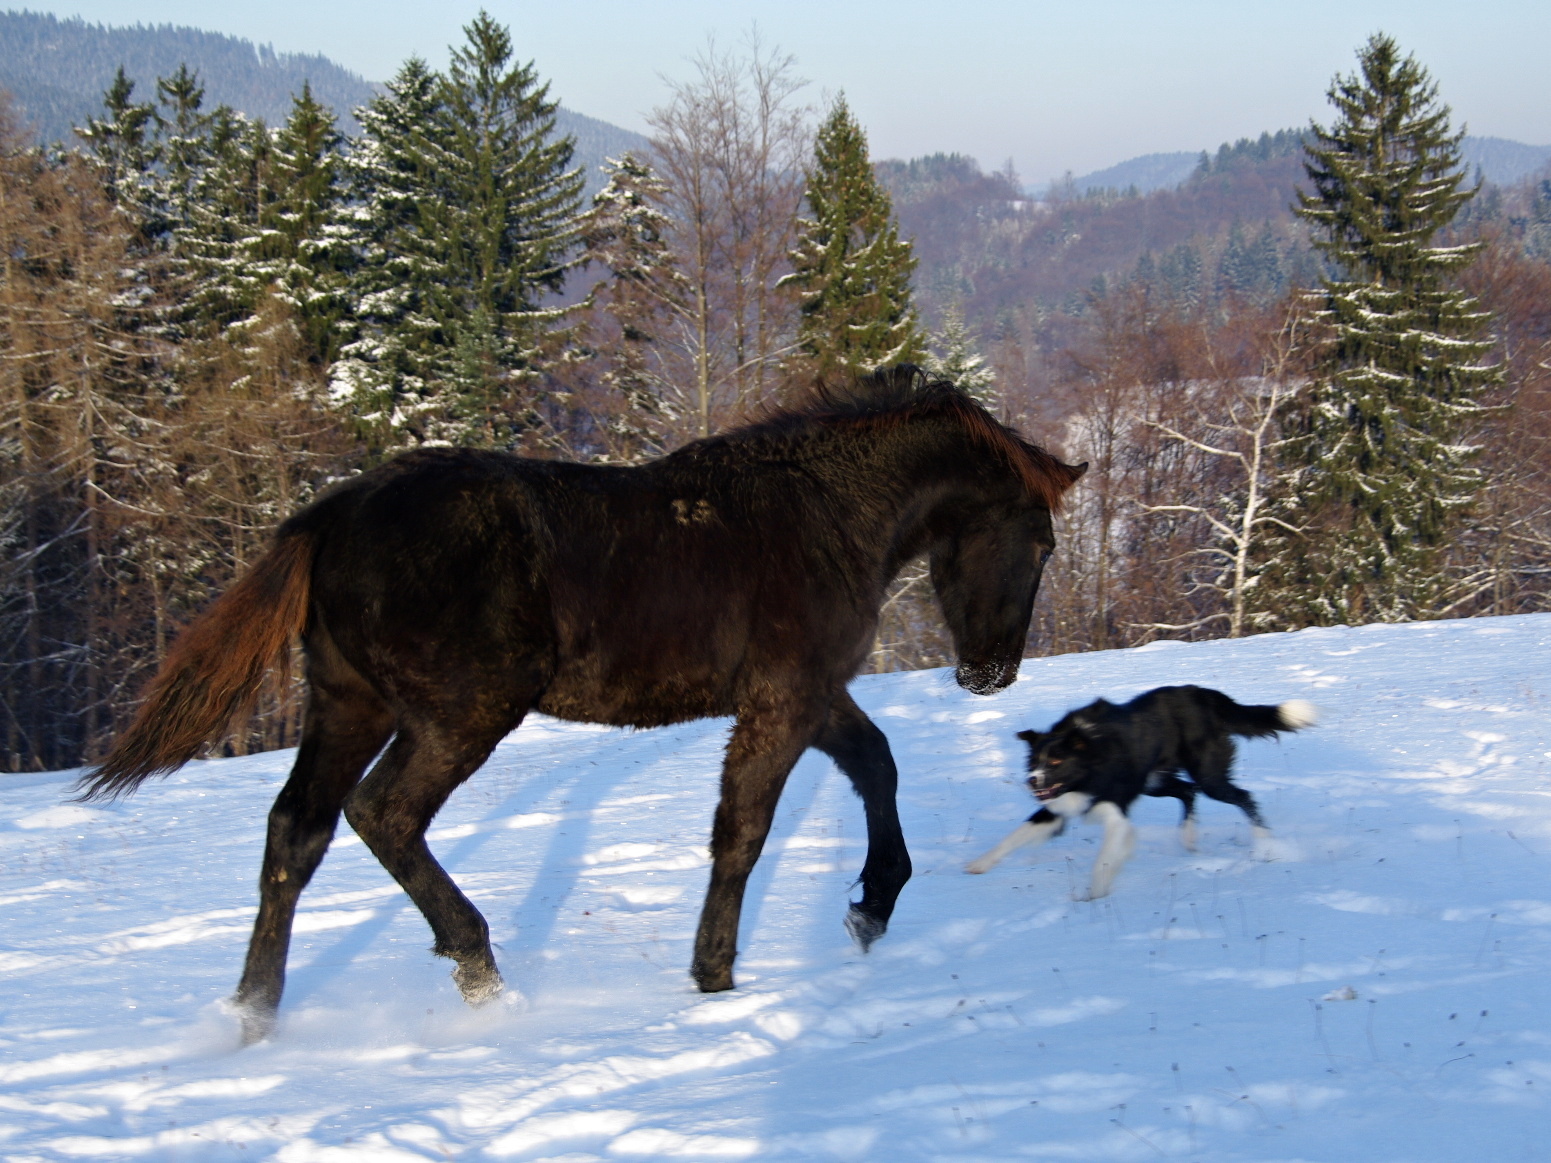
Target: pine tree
{"type": "Point", "coordinates": [302, 251]}
{"type": "Point", "coordinates": [124, 146]}
{"type": "Point", "coordinates": [954, 359]}
{"type": "Point", "coordinates": [627, 233]}
{"type": "Point", "coordinates": [1381, 462]}
{"type": "Point", "coordinates": [214, 241]}
{"type": "Point", "coordinates": [468, 216]}
{"type": "Point", "coordinates": [510, 215]}
{"type": "Point", "coordinates": [1180, 273]}
{"type": "Point", "coordinates": [185, 148]}
{"type": "Point", "coordinates": [850, 265]}
{"type": "Point", "coordinates": [387, 375]}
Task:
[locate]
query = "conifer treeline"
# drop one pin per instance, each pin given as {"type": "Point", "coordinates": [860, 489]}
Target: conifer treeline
{"type": "Point", "coordinates": [205, 319]}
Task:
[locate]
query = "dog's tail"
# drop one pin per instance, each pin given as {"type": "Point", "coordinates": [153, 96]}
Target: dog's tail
{"type": "Point", "coordinates": [1253, 722]}
{"type": "Point", "coordinates": [213, 671]}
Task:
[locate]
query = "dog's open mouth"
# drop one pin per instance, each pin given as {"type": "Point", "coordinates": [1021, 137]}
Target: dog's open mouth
{"type": "Point", "coordinates": [1046, 791]}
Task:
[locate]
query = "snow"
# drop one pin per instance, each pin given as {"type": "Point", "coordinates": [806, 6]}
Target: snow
{"type": "Point", "coordinates": [1378, 991]}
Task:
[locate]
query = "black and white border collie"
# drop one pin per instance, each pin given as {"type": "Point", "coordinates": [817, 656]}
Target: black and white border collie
{"type": "Point", "coordinates": [1097, 760]}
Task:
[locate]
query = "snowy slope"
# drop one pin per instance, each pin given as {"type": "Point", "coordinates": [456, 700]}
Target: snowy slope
{"type": "Point", "coordinates": [1181, 1018]}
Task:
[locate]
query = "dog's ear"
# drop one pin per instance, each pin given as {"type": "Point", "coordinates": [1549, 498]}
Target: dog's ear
{"type": "Point", "coordinates": [1035, 740]}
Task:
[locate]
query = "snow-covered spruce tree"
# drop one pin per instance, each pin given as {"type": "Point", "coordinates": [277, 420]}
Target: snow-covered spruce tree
{"type": "Point", "coordinates": [265, 222]}
{"type": "Point", "coordinates": [217, 227]}
{"type": "Point", "coordinates": [469, 211]}
{"type": "Point", "coordinates": [1379, 458]}
{"type": "Point", "coordinates": [124, 145]}
{"type": "Point", "coordinates": [300, 250]}
{"type": "Point", "coordinates": [184, 146]}
{"type": "Point", "coordinates": [387, 374]}
{"type": "Point", "coordinates": [635, 309]}
{"type": "Point", "coordinates": [953, 357]}
{"type": "Point", "coordinates": [849, 264]}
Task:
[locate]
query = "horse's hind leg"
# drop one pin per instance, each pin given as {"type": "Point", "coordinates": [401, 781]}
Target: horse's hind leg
{"type": "Point", "coordinates": [345, 725]}
{"type": "Point", "coordinates": [392, 807]}
{"type": "Point", "coordinates": [860, 750]}
{"type": "Point", "coordinates": [760, 755]}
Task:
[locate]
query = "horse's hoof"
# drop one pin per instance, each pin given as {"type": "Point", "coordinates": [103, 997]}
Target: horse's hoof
{"type": "Point", "coordinates": [864, 928]}
{"type": "Point", "coordinates": [258, 1021]}
{"type": "Point", "coordinates": [479, 984]}
{"type": "Point", "coordinates": [712, 980]}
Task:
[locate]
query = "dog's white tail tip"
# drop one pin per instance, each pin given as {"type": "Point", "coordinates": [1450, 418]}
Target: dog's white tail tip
{"type": "Point", "coordinates": [1297, 714]}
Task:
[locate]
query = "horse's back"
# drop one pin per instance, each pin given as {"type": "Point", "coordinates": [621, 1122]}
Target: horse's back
{"type": "Point", "coordinates": [628, 596]}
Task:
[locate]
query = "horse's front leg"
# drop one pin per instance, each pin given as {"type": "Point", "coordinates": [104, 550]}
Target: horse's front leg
{"type": "Point", "coordinates": [760, 755]}
{"type": "Point", "coordinates": [859, 749]}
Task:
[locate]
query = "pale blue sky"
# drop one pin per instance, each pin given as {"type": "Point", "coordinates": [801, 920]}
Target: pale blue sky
{"type": "Point", "coordinates": [1076, 85]}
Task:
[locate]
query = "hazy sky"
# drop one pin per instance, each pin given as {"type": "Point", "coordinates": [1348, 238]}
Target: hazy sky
{"type": "Point", "coordinates": [1076, 85]}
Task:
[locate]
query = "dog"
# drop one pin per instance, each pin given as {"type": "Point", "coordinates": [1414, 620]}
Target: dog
{"type": "Point", "coordinates": [1098, 759]}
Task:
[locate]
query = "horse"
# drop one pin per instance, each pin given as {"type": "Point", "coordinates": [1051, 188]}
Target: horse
{"type": "Point", "coordinates": [444, 595]}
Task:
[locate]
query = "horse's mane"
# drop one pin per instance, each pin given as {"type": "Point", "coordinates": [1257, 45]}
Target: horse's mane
{"type": "Point", "coordinates": [891, 396]}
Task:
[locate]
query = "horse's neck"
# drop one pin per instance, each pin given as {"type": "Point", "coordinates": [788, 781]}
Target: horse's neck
{"type": "Point", "coordinates": [905, 479]}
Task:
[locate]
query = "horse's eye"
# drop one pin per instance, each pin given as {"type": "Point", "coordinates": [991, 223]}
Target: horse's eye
{"type": "Point", "coordinates": [1045, 556]}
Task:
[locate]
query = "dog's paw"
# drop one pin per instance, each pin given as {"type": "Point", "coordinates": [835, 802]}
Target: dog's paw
{"type": "Point", "coordinates": [978, 866]}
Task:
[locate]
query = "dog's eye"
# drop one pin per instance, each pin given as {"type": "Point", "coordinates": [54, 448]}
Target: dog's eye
{"type": "Point", "coordinates": [1052, 763]}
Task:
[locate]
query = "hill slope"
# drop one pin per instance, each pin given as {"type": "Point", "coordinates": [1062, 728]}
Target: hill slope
{"type": "Point", "coordinates": [1499, 161]}
{"type": "Point", "coordinates": [57, 71]}
{"type": "Point", "coordinates": [1379, 991]}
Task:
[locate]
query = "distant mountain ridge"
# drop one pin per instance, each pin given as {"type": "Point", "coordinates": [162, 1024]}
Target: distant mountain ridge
{"type": "Point", "coordinates": [57, 71]}
{"type": "Point", "coordinates": [1500, 161]}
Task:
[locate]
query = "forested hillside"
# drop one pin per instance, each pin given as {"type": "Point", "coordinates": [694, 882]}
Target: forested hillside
{"type": "Point", "coordinates": [57, 71]}
{"type": "Point", "coordinates": [206, 317]}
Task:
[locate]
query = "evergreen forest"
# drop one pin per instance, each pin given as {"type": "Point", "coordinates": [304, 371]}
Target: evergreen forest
{"type": "Point", "coordinates": [1311, 380]}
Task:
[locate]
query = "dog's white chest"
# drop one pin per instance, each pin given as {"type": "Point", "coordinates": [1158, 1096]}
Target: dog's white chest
{"type": "Point", "coordinates": [1070, 804]}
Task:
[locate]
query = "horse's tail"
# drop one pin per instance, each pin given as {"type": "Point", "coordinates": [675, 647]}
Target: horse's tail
{"type": "Point", "coordinates": [213, 671]}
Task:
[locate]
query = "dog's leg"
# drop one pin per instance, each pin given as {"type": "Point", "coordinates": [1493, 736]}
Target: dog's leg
{"type": "Point", "coordinates": [1119, 843]}
{"type": "Point", "coordinates": [1213, 774]}
{"type": "Point", "coordinates": [1185, 793]}
{"type": "Point", "coordinates": [1038, 828]}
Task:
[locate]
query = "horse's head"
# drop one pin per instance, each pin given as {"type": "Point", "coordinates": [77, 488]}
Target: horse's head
{"type": "Point", "coordinates": [986, 562]}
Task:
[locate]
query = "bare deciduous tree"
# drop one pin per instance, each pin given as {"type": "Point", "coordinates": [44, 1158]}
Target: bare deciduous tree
{"type": "Point", "coordinates": [729, 147]}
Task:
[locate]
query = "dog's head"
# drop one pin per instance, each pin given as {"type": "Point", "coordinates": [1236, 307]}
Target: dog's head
{"type": "Point", "coordinates": [1059, 758]}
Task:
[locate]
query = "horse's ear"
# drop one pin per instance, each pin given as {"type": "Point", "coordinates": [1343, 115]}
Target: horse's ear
{"type": "Point", "coordinates": [1073, 472]}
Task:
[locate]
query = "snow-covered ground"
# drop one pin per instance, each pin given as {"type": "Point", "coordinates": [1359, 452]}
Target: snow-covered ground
{"type": "Point", "coordinates": [1380, 992]}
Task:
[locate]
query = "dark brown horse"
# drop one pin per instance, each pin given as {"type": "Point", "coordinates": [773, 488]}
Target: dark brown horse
{"type": "Point", "coordinates": [443, 596]}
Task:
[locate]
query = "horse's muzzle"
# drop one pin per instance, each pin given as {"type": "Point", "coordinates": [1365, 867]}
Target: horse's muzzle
{"type": "Point", "coordinates": [986, 678]}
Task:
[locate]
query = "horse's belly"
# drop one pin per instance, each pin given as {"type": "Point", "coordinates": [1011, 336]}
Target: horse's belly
{"type": "Point", "coordinates": [641, 701]}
